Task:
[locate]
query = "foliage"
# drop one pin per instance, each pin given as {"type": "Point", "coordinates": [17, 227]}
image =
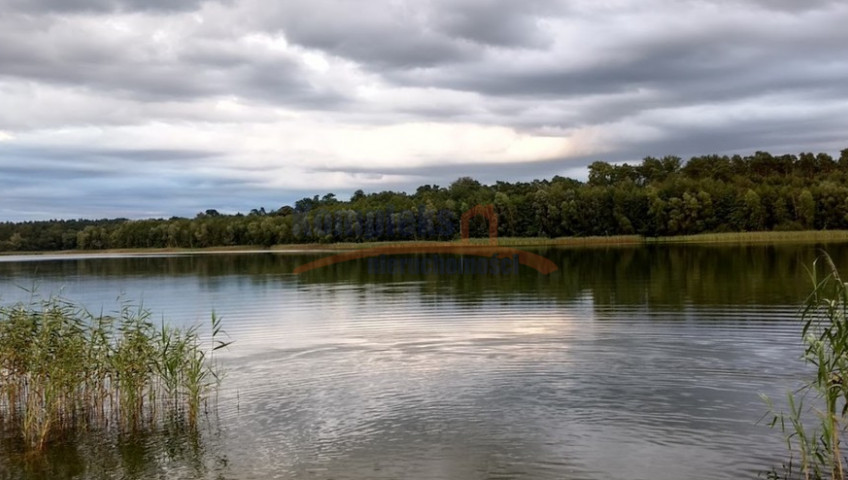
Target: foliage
{"type": "Point", "coordinates": [63, 368]}
{"type": "Point", "coordinates": [816, 452]}
{"type": "Point", "coordinates": [659, 197]}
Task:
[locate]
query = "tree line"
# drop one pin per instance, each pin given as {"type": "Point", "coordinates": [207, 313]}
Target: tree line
{"type": "Point", "coordinates": [658, 197]}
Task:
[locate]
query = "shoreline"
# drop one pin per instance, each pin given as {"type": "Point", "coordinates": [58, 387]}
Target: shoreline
{"type": "Point", "coordinates": [801, 237]}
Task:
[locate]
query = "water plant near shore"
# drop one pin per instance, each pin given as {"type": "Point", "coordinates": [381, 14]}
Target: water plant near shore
{"type": "Point", "coordinates": [63, 368]}
{"type": "Point", "coordinates": [816, 451]}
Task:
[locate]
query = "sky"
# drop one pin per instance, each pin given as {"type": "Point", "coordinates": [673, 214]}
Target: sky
{"type": "Point", "coordinates": [157, 108]}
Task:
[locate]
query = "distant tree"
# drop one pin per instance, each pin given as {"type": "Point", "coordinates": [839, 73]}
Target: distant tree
{"type": "Point", "coordinates": [753, 214]}
{"type": "Point", "coordinates": [601, 174]}
{"type": "Point", "coordinates": [306, 204]}
{"type": "Point", "coordinates": [284, 211]}
{"type": "Point", "coordinates": [806, 209]}
{"type": "Point", "coordinates": [464, 188]}
{"type": "Point", "coordinates": [660, 196]}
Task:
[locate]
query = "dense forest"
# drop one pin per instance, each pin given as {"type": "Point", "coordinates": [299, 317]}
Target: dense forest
{"type": "Point", "coordinates": [659, 197]}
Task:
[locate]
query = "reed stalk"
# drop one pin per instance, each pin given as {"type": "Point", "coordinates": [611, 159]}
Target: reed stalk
{"type": "Point", "coordinates": [63, 368]}
{"type": "Point", "coordinates": [815, 426]}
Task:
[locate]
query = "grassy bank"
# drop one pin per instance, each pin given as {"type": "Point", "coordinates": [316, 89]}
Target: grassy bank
{"type": "Point", "coordinates": [808, 236]}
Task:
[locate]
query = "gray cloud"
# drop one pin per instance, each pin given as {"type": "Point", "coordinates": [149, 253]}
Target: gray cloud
{"type": "Point", "coordinates": [182, 106]}
{"type": "Point", "coordinates": [47, 183]}
{"type": "Point", "coordinates": [378, 34]}
{"type": "Point", "coordinates": [498, 23]}
{"type": "Point", "coordinates": [782, 5]}
{"type": "Point", "coordinates": [100, 6]}
{"type": "Point", "coordinates": [679, 59]}
{"type": "Point", "coordinates": [125, 62]}
{"type": "Point", "coordinates": [411, 35]}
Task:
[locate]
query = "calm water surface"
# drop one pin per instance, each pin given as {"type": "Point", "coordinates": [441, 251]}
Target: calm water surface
{"type": "Point", "coordinates": [636, 363]}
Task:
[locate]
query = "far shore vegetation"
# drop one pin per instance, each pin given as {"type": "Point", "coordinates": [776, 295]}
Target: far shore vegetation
{"type": "Point", "coordinates": [713, 198]}
{"type": "Point", "coordinates": [807, 236]}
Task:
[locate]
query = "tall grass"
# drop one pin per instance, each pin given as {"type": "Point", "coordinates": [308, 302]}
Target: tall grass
{"type": "Point", "coordinates": [815, 426]}
{"type": "Point", "coordinates": [484, 241]}
{"type": "Point", "coordinates": [806, 236]}
{"type": "Point", "coordinates": [63, 369]}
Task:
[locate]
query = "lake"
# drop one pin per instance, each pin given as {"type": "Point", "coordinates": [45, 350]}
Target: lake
{"type": "Point", "coordinates": [627, 362]}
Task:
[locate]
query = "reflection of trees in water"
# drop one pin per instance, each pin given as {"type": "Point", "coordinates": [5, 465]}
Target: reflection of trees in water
{"type": "Point", "coordinates": [665, 275]}
{"type": "Point", "coordinates": [643, 275]}
{"type": "Point", "coordinates": [200, 265]}
{"type": "Point", "coordinates": [173, 451]}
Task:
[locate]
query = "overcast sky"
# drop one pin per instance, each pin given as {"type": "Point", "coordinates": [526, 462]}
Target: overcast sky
{"type": "Point", "coordinates": [154, 108]}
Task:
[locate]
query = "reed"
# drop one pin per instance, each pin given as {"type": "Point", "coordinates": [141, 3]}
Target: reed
{"type": "Point", "coordinates": [63, 368]}
{"type": "Point", "coordinates": [501, 241]}
{"type": "Point", "coordinates": [815, 426]}
{"type": "Point", "coordinates": [744, 238]}
{"type": "Point", "coordinates": [809, 236]}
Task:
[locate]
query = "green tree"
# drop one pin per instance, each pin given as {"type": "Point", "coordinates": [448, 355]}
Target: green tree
{"type": "Point", "coordinates": [805, 212]}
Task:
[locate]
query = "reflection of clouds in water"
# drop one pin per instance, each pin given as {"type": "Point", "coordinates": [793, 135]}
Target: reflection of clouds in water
{"type": "Point", "coordinates": [538, 394]}
{"type": "Point", "coordinates": [605, 371]}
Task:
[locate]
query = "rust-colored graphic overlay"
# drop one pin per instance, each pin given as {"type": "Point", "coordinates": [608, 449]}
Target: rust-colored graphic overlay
{"type": "Point", "coordinates": [491, 251]}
